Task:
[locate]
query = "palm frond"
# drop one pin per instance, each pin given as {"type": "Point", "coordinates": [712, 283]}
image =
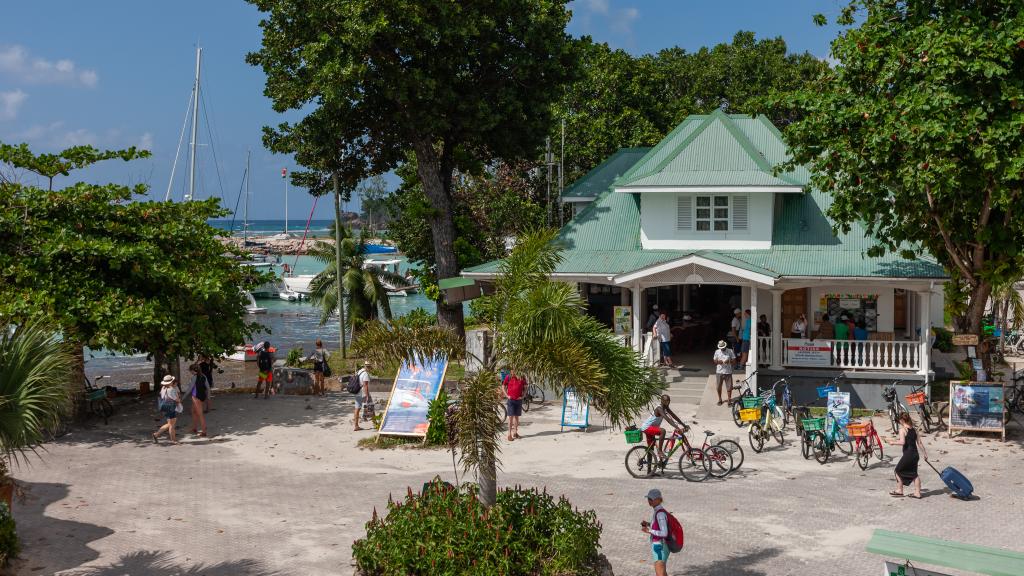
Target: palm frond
{"type": "Point", "coordinates": [478, 422]}
{"type": "Point", "coordinates": [385, 344]}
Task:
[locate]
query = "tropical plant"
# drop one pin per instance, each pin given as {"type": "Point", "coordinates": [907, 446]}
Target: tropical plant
{"type": "Point", "coordinates": [437, 410]}
{"type": "Point", "coordinates": [542, 332]}
{"type": "Point", "coordinates": [36, 389]}
{"type": "Point", "coordinates": [363, 287]}
{"type": "Point", "coordinates": [9, 546]}
{"type": "Point", "coordinates": [1008, 308]}
{"type": "Point", "coordinates": [444, 531]}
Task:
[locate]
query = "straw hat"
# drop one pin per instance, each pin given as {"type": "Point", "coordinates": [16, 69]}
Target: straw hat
{"type": "Point", "coordinates": [722, 344]}
{"type": "Point", "coordinates": [366, 363]}
{"type": "Point", "coordinates": [168, 380]}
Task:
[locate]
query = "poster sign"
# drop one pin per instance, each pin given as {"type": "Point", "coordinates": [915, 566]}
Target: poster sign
{"type": "Point", "coordinates": [965, 339]}
{"type": "Point", "coordinates": [849, 303]}
{"type": "Point", "coordinates": [575, 410]}
{"type": "Point", "coordinates": [808, 352]}
{"type": "Point", "coordinates": [894, 569]}
{"type": "Point", "coordinates": [623, 320]}
{"type": "Point", "coordinates": [839, 409]}
{"type": "Point", "coordinates": [976, 406]}
{"type": "Point", "coordinates": [416, 385]}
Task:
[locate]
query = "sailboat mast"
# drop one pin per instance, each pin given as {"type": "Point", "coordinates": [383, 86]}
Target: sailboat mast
{"type": "Point", "coordinates": [195, 126]}
{"type": "Point", "coordinates": [245, 226]}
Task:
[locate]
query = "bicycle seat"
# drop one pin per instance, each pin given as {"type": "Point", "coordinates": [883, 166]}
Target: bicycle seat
{"type": "Point", "coordinates": [709, 433]}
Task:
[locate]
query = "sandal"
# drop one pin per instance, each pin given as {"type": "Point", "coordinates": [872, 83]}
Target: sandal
{"type": "Point", "coordinates": [914, 497]}
{"type": "Point", "coordinates": [895, 494]}
{"type": "Point", "coordinates": [155, 439]}
{"type": "Point", "coordinates": [202, 434]}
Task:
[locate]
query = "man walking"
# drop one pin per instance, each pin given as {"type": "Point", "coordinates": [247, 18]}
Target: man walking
{"type": "Point", "coordinates": [265, 365]}
{"type": "Point", "coordinates": [363, 396]}
{"type": "Point", "coordinates": [663, 333]}
{"type": "Point", "coordinates": [724, 358]}
{"type": "Point", "coordinates": [514, 388]}
{"type": "Point", "coordinates": [658, 530]}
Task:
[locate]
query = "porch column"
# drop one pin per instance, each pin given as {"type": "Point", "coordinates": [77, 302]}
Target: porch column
{"type": "Point", "coordinates": [638, 342]}
{"type": "Point", "coordinates": [777, 329]}
{"type": "Point", "coordinates": [924, 299]}
{"type": "Point", "coordinates": [686, 297]}
{"type": "Point", "coordinates": [752, 355]}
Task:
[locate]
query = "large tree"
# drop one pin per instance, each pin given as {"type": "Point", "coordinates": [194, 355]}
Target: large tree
{"type": "Point", "coordinates": [452, 82]}
{"type": "Point", "coordinates": [917, 133]}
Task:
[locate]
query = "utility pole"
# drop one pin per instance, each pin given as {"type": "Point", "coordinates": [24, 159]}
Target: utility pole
{"type": "Point", "coordinates": [548, 160]}
{"type": "Point", "coordinates": [561, 179]}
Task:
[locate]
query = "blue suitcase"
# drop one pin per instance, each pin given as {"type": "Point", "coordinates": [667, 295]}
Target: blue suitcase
{"type": "Point", "coordinates": [955, 481]}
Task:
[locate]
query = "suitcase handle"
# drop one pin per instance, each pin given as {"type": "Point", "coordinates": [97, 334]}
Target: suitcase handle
{"type": "Point", "coordinates": [933, 467]}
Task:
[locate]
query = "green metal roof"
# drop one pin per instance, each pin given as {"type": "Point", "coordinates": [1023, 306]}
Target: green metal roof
{"type": "Point", "coordinates": [716, 149]}
{"type": "Point", "coordinates": [978, 559]}
{"type": "Point", "coordinates": [601, 176]}
{"type": "Point", "coordinates": [456, 282]}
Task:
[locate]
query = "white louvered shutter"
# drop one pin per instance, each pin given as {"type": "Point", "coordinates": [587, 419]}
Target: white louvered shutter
{"type": "Point", "coordinates": [684, 212]}
{"type": "Point", "coordinates": [739, 213]}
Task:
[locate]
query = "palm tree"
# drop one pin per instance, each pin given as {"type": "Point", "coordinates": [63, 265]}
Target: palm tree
{"type": "Point", "coordinates": [541, 331]}
{"type": "Point", "coordinates": [36, 376]}
{"type": "Point", "coordinates": [363, 289]}
{"type": "Point", "coordinates": [1007, 309]}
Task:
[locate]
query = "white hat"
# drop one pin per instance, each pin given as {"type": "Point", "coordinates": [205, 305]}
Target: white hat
{"type": "Point", "coordinates": [655, 307]}
{"type": "Point", "coordinates": [168, 380]}
{"type": "Point", "coordinates": [722, 344]}
{"type": "Point", "coordinates": [737, 311]}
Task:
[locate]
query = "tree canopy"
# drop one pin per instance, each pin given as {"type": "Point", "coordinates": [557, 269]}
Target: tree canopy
{"type": "Point", "coordinates": [917, 133]}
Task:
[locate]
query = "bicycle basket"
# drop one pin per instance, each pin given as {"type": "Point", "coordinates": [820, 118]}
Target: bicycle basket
{"type": "Point", "coordinates": [813, 424]}
{"type": "Point", "coordinates": [858, 429]}
{"type": "Point", "coordinates": [750, 414]}
{"type": "Point", "coordinates": [824, 390]}
{"type": "Point", "coordinates": [915, 398]}
{"type": "Point", "coordinates": [634, 436]}
{"type": "Point", "coordinates": [752, 402]}
{"type": "Point", "coordinates": [889, 394]}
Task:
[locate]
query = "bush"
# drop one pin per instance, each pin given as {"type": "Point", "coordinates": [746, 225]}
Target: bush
{"type": "Point", "coordinates": [444, 531]}
{"type": "Point", "coordinates": [943, 340]}
{"type": "Point", "coordinates": [9, 547]}
{"type": "Point", "coordinates": [415, 318]}
{"type": "Point", "coordinates": [437, 433]}
{"type": "Point", "coordinates": [295, 358]}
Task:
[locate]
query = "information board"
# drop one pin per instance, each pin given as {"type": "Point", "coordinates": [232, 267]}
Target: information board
{"type": "Point", "coordinates": [894, 569]}
{"type": "Point", "coordinates": [575, 410]}
{"type": "Point", "coordinates": [623, 320]}
{"type": "Point", "coordinates": [838, 410]}
{"type": "Point", "coordinates": [808, 352]}
{"type": "Point", "coordinates": [977, 407]}
{"type": "Point", "coordinates": [416, 385]}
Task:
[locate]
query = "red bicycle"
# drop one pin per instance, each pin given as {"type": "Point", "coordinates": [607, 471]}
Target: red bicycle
{"type": "Point", "coordinates": [868, 442]}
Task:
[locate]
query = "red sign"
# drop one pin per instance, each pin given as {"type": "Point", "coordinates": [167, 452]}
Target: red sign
{"type": "Point", "coordinates": [284, 172]}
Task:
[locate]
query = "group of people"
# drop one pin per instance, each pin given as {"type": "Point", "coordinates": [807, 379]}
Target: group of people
{"type": "Point", "coordinates": [171, 404]}
{"type": "Point", "coordinates": [844, 328]}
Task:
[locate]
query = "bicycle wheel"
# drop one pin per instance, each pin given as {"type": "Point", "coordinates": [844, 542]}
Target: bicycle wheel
{"type": "Point", "coordinates": [777, 433]}
{"type": "Point", "coordinates": [692, 465]}
{"type": "Point", "coordinates": [876, 445]}
{"type": "Point", "coordinates": [640, 462]}
{"type": "Point", "coordinates": [893, 415]}
{"type": "Point", "coordinates": [863, 454]}
{"type": "Point", "coordinates": [527, 398]}
{"type": "Point", "coordinates": [736, 411]}
{"type": "Point", "coordinates": [538, 394]}
{"type": "Point", "coordinates": [718, 461]}
{"type": "Point", "coordinates": [805, 444]}
{"type": "Point", "coordinates": [819, 447]}
{"type": "Point", "coordinates": [756, 437]}
{"type": "Point", "coordinates": [926, 417]}
{"type": "Point", "coordinates": [502, 412]}
{"type": "Point", "coordinates": [735, 450]}
{"type": "Point", "coordinates": [781, 415]}
{"type": "Point", "coordinates": [842, 441]}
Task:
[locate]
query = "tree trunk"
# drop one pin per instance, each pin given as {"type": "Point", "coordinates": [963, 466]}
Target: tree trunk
{"type": "Point", "coordinates": [159, 359]}
{"type": "Point", "coordinates": [442, 227]}
{"type": "Point", "coordinates": [337, 262]}
{"type": "Point", "coordinates": [488, 480]}
{"type": "Point", "coordinates": [78, 377]}
{"type": "Point", "coordinates": [975, 312]}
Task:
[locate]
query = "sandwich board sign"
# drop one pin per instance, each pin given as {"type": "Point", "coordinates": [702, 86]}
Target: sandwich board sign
{"type": "Point", "coordinates": [416, 385]}
{"type": "Point", "coordinates": [575, 410]}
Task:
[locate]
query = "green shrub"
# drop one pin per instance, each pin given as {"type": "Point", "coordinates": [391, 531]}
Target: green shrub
{"type": "Point", "coordinates": [444, 531]}
{"type": "Point", "coordinates": [437, 433]}
{"type": "Point", "coordinates": [295, 358]}
{"type": "Point", "coordinates": [9, 547]}
{"type": "Point", "coordinates": [943, 340]}
{"type": "Point", "coordinates": [415, 318]}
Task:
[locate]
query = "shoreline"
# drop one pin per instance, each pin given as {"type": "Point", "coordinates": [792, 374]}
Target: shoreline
{"type": "Point", "coordinates": [278, 244]}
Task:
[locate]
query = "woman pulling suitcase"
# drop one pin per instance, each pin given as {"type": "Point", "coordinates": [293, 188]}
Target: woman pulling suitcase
{"type": "Point", "coordinates": [913, 450]}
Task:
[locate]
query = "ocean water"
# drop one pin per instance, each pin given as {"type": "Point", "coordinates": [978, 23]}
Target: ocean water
{"type": "Point", "coordinates": [268, 227]}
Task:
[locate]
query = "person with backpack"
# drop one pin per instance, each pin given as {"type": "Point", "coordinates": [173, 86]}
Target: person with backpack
{"type": "Point", "coordinates": [320, 368]}
{"type": "Point", "coordinates": [359, 384]}
{"type": "Point", "coordinates": [665, 531]}
{"type": "Point", "coordinates": [265, 365]}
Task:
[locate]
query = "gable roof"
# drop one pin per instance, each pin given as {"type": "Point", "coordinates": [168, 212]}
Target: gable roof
{"type": "Point", "coordinates": [716, 149]}
{"type": "Point", "coordinates": [601, 176]}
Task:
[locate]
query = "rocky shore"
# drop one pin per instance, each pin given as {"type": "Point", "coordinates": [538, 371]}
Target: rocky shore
{"type": "Point", "coordinates": [280, 244]}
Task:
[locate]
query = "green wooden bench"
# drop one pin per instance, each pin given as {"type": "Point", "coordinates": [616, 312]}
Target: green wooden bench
{"type": "Point", "coordinates": [979, 559]}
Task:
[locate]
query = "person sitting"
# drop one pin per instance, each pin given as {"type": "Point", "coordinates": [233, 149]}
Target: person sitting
{"type": "Point", "coordinates": [652, 426]}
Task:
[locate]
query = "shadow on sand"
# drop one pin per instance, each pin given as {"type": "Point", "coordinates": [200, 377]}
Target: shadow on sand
{"type": "Point", "coordinates": [163, 563]}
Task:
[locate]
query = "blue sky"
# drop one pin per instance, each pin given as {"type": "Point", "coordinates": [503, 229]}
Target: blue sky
{"type": "Point", "coordinates": [118, 73]}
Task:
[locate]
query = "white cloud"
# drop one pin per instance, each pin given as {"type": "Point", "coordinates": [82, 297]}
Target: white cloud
{"type": "Point", "coordinates": [17, 63]}
{"type": "Point", "coordinates": [55, 135]}
{"type": "Point", "coordinates": [623, 22]}
{"type": "Point", "coordinates": [597, 6]}
{"type": "Point", "coordinates": [146, 142]}
{"type": "Point", "coordinates": [10, 102]}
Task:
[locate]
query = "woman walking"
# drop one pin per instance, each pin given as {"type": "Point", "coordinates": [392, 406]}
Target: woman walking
{"type": "Point", "coordinates": [206, 367]}
{"type": "Point", "coordinates": [320, 358]}
{"type": "Point", "coordinates": [170, 407]}
{"type": "Point", "coordinates": [200, 393]}
{"type": "Point", "coordinates": [913, 450]}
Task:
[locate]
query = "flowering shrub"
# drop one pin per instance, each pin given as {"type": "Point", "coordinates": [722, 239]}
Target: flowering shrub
{"type": "Point", "coordinates": [446, 531]}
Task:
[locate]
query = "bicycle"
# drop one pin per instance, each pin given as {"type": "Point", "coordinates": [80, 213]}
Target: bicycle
{"type": "Point", "coordinates": [1014, 400]}
{"type": "Point", "coordinates": [784, 411]}
{"type": "Point", "coordinates": [534, 393]}
{"type": "Point", "coordinates": [925, 409]}
{"type": "Point", "coordinates": [894, 406]}
{"type": "Point", "coordinates": [767, 425]}
{"type": "Point", "coordinates": [834, 438]}
{"type": "Point", "coordinates": [802, 414]}
{"type": "Point", "coordinates": [694, 464]}
{"type": "Point", "coordinates": [736, 403]}
{"type": "Point", "coordinates": [868, 442]}
{"type": "Point", "coordinates": [716, 459]}
{"type": "Point", "coordinates": [96, 401]}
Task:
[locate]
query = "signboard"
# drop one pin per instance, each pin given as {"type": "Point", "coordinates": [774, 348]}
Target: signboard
{"type": "Point", "coordinates": [977, 407]}
{"type": "Point", "coordinates": [894, 569]}
{"type": "Point", "coordinates": [622, 320]}
{"type": "Point", "coordinates": [849, 303]}
{"type": "Point", "coordinates": [965, 339]}
{"type": "Point", "coordinates": [415, 386]}
{"type": "Point", "coordinates": [808, 352]}
{"type": "Point", "coordinates": [839, 409]}
{"type": "Point", "coordinates": [575, 410]}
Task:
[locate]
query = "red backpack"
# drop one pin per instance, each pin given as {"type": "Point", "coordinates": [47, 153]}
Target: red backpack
{"type": "Point", "coordinates": [675, 538]}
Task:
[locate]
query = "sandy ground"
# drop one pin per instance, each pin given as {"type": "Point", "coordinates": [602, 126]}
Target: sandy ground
{"type": "Point", "coordinates": [280, 488]}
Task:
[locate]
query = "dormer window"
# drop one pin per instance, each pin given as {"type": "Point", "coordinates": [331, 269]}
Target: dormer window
{"type": "Point", "coordinates": [712, 213]}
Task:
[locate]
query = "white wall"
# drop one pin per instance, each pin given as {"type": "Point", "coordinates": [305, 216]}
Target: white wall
{"type": "Point", "coordinates": [886, 303]}
{"type": "Point", "coordinates": [658, 211]}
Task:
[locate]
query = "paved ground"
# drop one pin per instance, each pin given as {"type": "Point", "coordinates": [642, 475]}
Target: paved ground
{"type": "Point", "coordinates": [282, 490]}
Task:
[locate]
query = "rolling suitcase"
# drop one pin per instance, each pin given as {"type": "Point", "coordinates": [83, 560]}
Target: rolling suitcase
{"type": "Point", "coordinates": [955, 481]}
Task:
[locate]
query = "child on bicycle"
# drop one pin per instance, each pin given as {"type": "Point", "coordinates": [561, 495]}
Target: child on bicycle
{"type": "Point", "coordinates": [653, 431]}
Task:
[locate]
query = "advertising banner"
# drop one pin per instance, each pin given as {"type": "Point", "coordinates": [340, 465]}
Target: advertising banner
{"type": "Point", "coordinates": [976, 406]}
{"type": "Point", "coordinates": [416, 385]}
{"type": "Point", "coordinates": [838, 410]}
{"type": "Point", "coordinates": [808, 352]}
{"type": "Point", "coordinates": [623, 320]}
{"type": "Point", "coordinates": [575, 410]}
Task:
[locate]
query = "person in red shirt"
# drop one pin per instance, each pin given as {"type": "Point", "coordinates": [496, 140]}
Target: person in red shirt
{"type": "Point", "coordinates": [513, 386]}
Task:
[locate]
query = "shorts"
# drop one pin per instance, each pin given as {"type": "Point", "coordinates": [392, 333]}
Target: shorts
{"type": "Point", "coordinates": [267, 376]}
{"type": "Point", "coordinates": [514, 407]}
{"type": "Point", "coordinates": [659, 552]}
{"type": "Point", "coordinates": [169, 410]}
{"type": "Point", "coordinates": [744, 346]}
{"type": "Point", "coordinates": [360, 400]}
{"type": "Point", "coordinates": [723, 378]}
{"type": "Point", "coordinates": [652, 433]}
{"type": "Point", "coordinates": [666, 348]}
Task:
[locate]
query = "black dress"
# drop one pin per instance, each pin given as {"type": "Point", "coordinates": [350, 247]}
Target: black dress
{"type": "Point", "coordinates": [906, 468]}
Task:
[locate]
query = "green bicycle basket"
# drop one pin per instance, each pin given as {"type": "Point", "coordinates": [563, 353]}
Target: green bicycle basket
{"type": "Point", "coordinates": [813, 424]}
{"type": "Point", "coordinates": [633, 436]}
{"type": "Point", "coordinates": [752, 402]}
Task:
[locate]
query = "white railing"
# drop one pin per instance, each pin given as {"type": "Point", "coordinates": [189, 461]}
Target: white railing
{"type": "Point", "coordinates": [852, 354]}
{"type": "Point", "coordinates": [764, 350]}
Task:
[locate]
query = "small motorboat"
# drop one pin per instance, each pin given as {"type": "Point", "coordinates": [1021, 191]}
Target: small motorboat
{"type": "Point", "coordinates": [289, 295]}
{"type": "Point", "coordinates": [246, 353]}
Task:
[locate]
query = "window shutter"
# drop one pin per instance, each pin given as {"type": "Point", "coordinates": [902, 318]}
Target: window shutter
{"type": "Point", "coordinates": [739, 212]}
{"type": "Point", "coordinates": [684, 212]}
